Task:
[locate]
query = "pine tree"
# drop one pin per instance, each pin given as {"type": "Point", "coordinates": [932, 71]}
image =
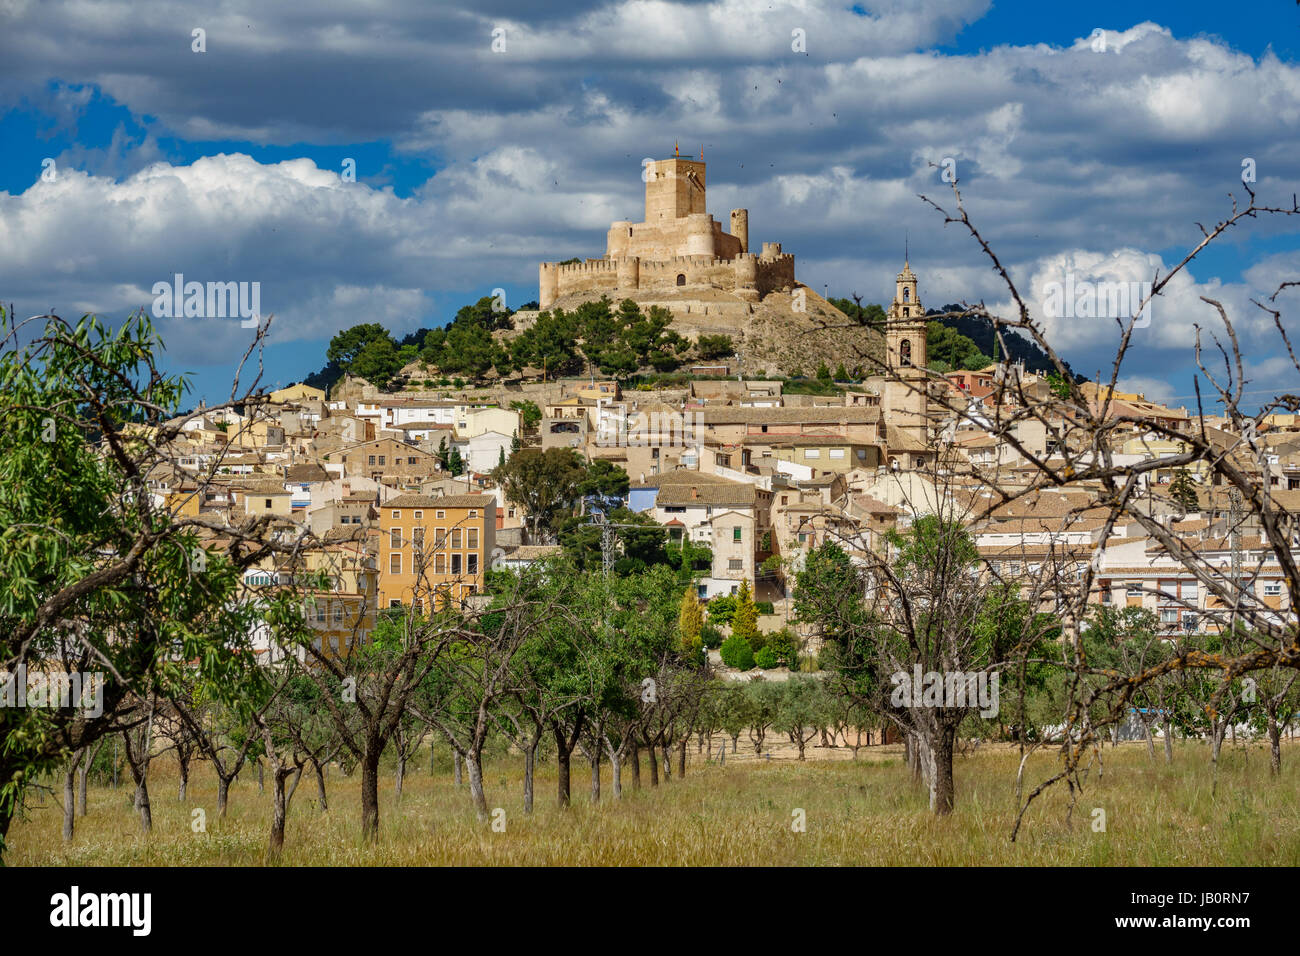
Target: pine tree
{"type": "Point", "coordinates": [455, 463]}
{"type": "Point", "coordinates": [1183, 491]}
{"type": "Point", "coordinates": [745, 622]}
{"type": "Point", "coordinates": [690, 622]}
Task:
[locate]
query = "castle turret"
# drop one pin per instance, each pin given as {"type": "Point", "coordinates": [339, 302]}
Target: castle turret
{"type": "Point", "coordinates": [740, 227]}
{"type": "Point", "coordinates": [746, 266]}
{"type": "Point", "coordinates": [629, 273]}
{"type": "Point", "coordinates": [699, 234]}
{"type": "Point", "coordinates": [548, 284]}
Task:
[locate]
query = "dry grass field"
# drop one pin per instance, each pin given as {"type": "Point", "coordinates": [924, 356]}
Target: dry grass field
{"type": "Point", "coordinates": [867, 812]}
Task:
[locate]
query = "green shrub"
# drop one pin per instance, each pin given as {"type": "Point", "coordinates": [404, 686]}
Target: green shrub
{"type": "Point", "coordinates": [737, 653]}
{"type": "Point", "coordinates": [711, 636]}
{"type": "Point", "coordinates": [764, 607]}
{"type": "Point", "coordinates": [765, 658]}
{"type": "Point", "coordinates": [722, 608]}
{"type": "Point", "coordinates": [785, 644]}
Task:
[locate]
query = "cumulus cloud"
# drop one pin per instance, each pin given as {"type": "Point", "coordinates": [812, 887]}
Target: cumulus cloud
{"type": "Point", "coordinates": [1078, 157]}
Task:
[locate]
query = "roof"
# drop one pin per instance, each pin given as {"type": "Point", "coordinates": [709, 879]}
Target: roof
{"type": "Point", "coordinates": [682, 476]}
{"type": "Point", "coordinates": [441, 501]}
{"type": "Point", "coordinates": [532, 552]}
{"type": "Point", "coordinates": [839, 415]}
{"type": "Point", "coordinates": [307, 472]}
{"type": "Point", "coordinates": [735, 494]}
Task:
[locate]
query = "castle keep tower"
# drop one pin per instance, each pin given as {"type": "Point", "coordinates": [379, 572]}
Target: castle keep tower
{"type": "Point", "coordinates": [674, 189]}
{"type": "Point", "coordinates": [905, 389]}
{"type": "Point", "coordinates": [679, 250]}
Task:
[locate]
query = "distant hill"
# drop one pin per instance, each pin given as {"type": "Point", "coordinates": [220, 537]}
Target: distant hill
{"type": "Point", "coordinates": [980, 332]}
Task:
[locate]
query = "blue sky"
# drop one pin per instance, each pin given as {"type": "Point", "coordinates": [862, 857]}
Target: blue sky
{"type": "Point", "coordinates": [473, 165]}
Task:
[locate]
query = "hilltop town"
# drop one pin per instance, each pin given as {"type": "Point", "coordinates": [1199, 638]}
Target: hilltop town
{"type": "Point", "coordinates": [741, 475]}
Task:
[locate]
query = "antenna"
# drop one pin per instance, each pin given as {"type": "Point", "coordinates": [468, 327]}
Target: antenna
{"type": "Point", "coordinates": [905, 255]}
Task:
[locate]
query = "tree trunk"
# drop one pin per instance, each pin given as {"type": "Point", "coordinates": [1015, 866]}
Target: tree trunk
{"type": "Point", "coordinates": [142, 803]}
{"type": "Point", "coordinates": [942, 793]}
{"type": "Point", "coordinates": [70, 796]}
{"type": "Point", "coordinates": [320, 787]}
{"type": "Point", "coordinates": [654, 765]}
{"type": "Point", "coordinates": [681, 758]}
{"type": "Point", "coordinates": [278, 804]}
{"type": "Point", "coordinates": [636, 765]}
{"type": "Point", "coordinates": [223, 793]}
{"type": "Point", "coordinates": [595, 772]}
{"type": "Point", "coordinates": [185, 778]}
{"type": "Point", "coordinates": [1274, 745]}
{"type": "Point", "coordinates": [530, 763]}
{"type": "Point", "coordinates": [668, 761]}
{"type": "Point", "coordinates": [474, 764]}
{"type": "Point", "coordinates": [802, 744]}
{"type": "Point", "coordinates": [261, 782]}
{"type": "Point", "coordinates": [455, 763]}
{"type": "Point", "coordinates": [1151, 740]}
{"type": "Point", "coordinates": [401, 772]}
{"type": "Point", "coordinates": [370, 794]}
{"type": "Point", "coordinates": [83, 772]}
{"type": "Point", "coordinates": [1168, 728]}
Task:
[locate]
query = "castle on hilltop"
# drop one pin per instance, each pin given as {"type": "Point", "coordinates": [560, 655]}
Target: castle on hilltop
{"type": "Point", "coordinates": [679, 248]}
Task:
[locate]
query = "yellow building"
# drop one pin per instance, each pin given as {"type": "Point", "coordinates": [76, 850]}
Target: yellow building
{"type": "Point", "coordinates": [434, 548]}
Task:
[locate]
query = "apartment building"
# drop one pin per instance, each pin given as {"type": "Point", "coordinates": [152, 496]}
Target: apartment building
{"type": "Point", "coordinates": [434, 548]}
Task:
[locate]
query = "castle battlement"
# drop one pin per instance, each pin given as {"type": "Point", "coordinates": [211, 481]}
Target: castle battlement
{"type": "Point", "coordinates": [679, 245]}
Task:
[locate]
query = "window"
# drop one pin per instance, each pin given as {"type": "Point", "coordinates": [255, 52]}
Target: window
{"type": "Point", "coordinates": [439, 564]}
{"type": "Point", "coordinates": [411, 461]}
{"type": "Point", "coordinates": [394, 563]}
{"type": "Point", "coordinates": [471, 563]}
{"type": "Point", "coordinates": [439, 537]}
{"type": "Point", "coordinates": [419, 515]}
{"type": "Point", "coordinates": [320, 611]}
{"type": "Point", "coordinates": [473, 512]}
{"type": "Point", "coordinates": [1272, 588]}
{"type": "Point", "coordinates": [396, 515]}
{"type": "Point", "coordinates": [268, 502]}
{"type": "Point", "coordinates": [812, 452]}
{"type": "Point", "coordinates": [455, 564]}
{"type": "Point", "coordinates": [736, 534]}
{"type": "Point", "coordinates": [785, 499]}
{"type": "Point", "coordinates": [735, 564]}
{"type": "Point", "coordinates": [395, 602]}
{"type": "Point", "coordinates": [382, 459]}
{"type": "Point", "coordinates": [372, 459]}
{"type": "Point", "coordinates": [905, 352]}
{"type": "Point", "coordinates": [1169, 615]}
{"type": "Point", "coordinates": [441, 514]}
{"type": "Point", "coordinates": [471, 538]}
{"type": "Point", "coordinates": [455, 537]}
{"type": "Point", "coordinates": [835, 453]}
{"type": "Point", "coordinates": [338, 612]}
{"type": "Point", "coordinates": [1134, 589]}
{"type": "Point", "coordinates": [1189, 590]}
{"type": "Point", "coordinates": [681, 279]}
{"type": "Point", "coordinates": [676, 509]}
{"type": "Point", "coordinates": [395, 538]}
{"type": "Point", "coordinates": [419, 537]}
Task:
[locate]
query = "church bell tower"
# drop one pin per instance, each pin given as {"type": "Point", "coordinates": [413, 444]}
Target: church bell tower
{"type": "Point", "coordinates": [905, 386]}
